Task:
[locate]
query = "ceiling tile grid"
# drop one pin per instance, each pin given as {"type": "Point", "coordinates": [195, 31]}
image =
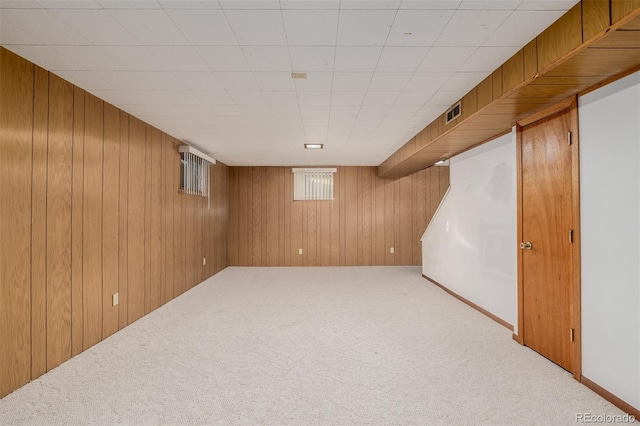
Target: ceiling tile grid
{"type": "Point", "coordinates": [217, 74]}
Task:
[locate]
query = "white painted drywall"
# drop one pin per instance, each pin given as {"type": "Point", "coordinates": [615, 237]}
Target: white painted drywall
{"type": "Point", "coordinates": [470, 245]}
{"type": "Point", "coordinates": [610, 221]}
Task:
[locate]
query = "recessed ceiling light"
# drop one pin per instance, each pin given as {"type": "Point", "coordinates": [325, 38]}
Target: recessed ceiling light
{"type": "Point", "coordinates": [313, 146]}
{"type": "Point", "coordinates": [440, 162]}
{"type": "Point", "coordinates": [301, 75]}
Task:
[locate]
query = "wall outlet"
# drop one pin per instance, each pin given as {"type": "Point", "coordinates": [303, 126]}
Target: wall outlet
{"type": "Point", "coordinates": [204, 261]}
{"type": "Point", "coordinates": [114, 299]}
{"type": "Point", "coordinates": [299, 251]}
{"type": "Point", "coordinates": [392, 250]}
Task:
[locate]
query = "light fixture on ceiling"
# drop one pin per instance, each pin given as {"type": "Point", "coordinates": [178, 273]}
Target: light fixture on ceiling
{"type": "Point", "coordinates": [313, 146]}
{"type": "Point", "coordinates": [299, 75]}
{"type": "Point", "coordinates": [442, 163]}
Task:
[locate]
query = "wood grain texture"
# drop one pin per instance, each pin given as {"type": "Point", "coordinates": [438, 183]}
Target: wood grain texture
{"type": "Point", "coordinates": [39, 225]}
{"type": "Point", "coordinates": [123, 237]}
{"type": "Point", "coordinates": [92, 221]}
{"type": "Point", "coordinates": [367, 217]}
{"type": "Point", "coordinates": [622, 8]}
{"type": "Point", "coordinates": [16, 145]}
{"type": "Point", "coordinates": [59, 192]}
{"type": "Point", "coordinates": [560, 38]}
{"type": "Point", "coordinates": [77, 327]}
{"type": "Point", "coordinates": [136, 223]}
{"type": "Point", "coordinates": [595, 18]}
{"type": "Point", "coordinates": [89, 207]}
{"type": "Point", "coordinates": [110, 222]}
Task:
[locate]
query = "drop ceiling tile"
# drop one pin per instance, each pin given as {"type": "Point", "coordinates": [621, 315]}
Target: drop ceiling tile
{"type": "Point", "coordinates": [414, 97]}
{"type": "Point", "coordinates": [189, 4]}
{"type": "Point", "coordinates": [250, 98]}
{"type": "Point", "coordinates": [285, 111]}
{"type": "Point", "coordinates": [249, 4]}
{"type": "Point", "coordinates": [563, 5]}
{"type": "Point", "coordinates": [418, 27]}
{"type": "Point", "coordinates": [401, 59]}
{"type": "Point", "coordinates": [237, 80]}
{"type": "Point", "coordinates": [310, 27]}
{"type": "Point", "coordinates": [487, 59]}
{"type": "Point", "coordinates": [364, 27]}
{"type": "Point", "coordinates": [203, 80]}
{"type": "Point", "coordinates": [147, 97]}
{"type": "Point", "coordinates": [430, 4]}
{"type": "Point", "coordinates": [223, 58]}
{"type": "Point", "coordinates": [315, 110]}
{"type": "Point", "coordinates": [357, 59]}
{"type": "Point", "coordinates": [72, 58]}
{"type": "Point", "coordinates": [490, 4]}
{"type": "Point", "coordinates": [426, 81]}
{"type": "Point", "coordinates": [129, 4]}
{"type": "Point", "coordinates": [471, 27]}
{"type": "Point", "coordinates": [381, 98]}
{"type": "Point", "coordinates": [404, 110]}
{"type": "Point", "coordinates": [351, 81]}
{"type": "Point", "coordinates": [522, 27]}
{"type": "Point", "coordinates": [69, 4]}
{"type": "Point", "coordinates": [257, 27]}
{"type": "Point", "coordinates": [315, 98]}
{"type": "Point", "coordinates": [446, 98]}
{"type": "Point", "coordinates": [149, 27]}
{"type": "Point", "coordinates": [374, 110]}
{"type": "Point", "coordinates": [267, 58]}
{"type": "Point", "coordinates": [347, 98]}
{"type": "Point", "coordinates": [345, 111]}
{"type": "Point", "coordinates": [127, 80]}
{"type": "Point", "coordinates": [19, 4]}
{"type": "Point", "coordinates": [315, 120]}
{"type": "Point", "coordinates": [445, 59]}
{"type": "Point", "coordinates": [158, 58]}
{"type": "Point", "coordinates": [280, 98]}
{"type": "Point", "coordinates": [315, 82]}
{"type": "Point", "coordinates": [305, 59]}
{"type": "Point", "coordinates": [389, 81]}
{"type": "Point", "coordinates": [310, 4]}
{"type": "Point", "coordinates": [211, 97]}
{"type": "Point", "coordinates": [336, 121]}
{"type": "Point", "coordinates": [98, 27]}
{"type": "Point", "coordinates": [204, 27]}
{"type": "Point", "coordinates": [275, 81]}
{"type": "Point", "coordinates": [369, 4]}
{"type": "Point", "coordinates": [29, 26]}
{"type": "Point", "coordinates": [464, 81]}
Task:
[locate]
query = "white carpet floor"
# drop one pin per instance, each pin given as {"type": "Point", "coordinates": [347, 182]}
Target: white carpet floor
{"type": "Point", "coordinates": [377, 345]}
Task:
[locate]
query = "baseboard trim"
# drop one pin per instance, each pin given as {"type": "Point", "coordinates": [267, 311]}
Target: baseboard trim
{"type": "Point", "coordinates": [517, 338]}
{"type": "Point", "coordinates": [627, 408]}
{"type": "Point", "coordinates": [470, 303]}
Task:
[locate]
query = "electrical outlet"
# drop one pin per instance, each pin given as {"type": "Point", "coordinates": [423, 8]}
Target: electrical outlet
{"type": "Point", "coordinates": [392, 250]}
{"type": "Point", "coordinates": [114, 299]}
{"type": "Point", "coordinates": [204, 261]}
{"type": "Point", "coordinates": [299, 251]}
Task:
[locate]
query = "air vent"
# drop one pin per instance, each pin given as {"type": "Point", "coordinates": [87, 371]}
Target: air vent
{"type": "Point", "coordinates": [454, 112]}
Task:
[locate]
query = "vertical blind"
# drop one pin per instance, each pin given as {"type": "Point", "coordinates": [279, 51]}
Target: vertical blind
{"type": "Point", "coordinates": [194, 171]}
{"type": "Point", "coordinates": [313, 184]}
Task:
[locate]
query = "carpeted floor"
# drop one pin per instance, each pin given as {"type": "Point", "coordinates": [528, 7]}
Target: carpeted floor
{"type": "Point", "coordinates": [361, 345]}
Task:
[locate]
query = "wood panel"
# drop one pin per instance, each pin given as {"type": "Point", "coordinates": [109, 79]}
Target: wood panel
{"type": "Point", "coordinates": [136, 227]}
{"type": "Point", "coordinates": [77, 328]}
{"type": "Point", "coordinates": [92, 221]}
{"type": "Point", "coordinates": [622, 8]}
{"type": "Point", "coordinates": [367, 217]}
{"type": "Point", "coordinates": [16, 145]}
{"type": "Point", "coordinates": [560, 38]}
{"type": "Point", "coordinates": [59, 191]}
{"type": "Point", "coordinates": [595, 18]}
{"type": "Point", "coordinates": [123, 236]}
{"type": "Point", "coordinates": [110, 220]}
{"type": "Point", "coordinates": [89, 207]}
{"type": "Point", "coordinates": [39, 225]}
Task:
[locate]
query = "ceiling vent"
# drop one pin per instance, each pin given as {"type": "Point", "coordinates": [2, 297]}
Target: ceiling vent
{"type": "Point", "coordinates": [454, 112]}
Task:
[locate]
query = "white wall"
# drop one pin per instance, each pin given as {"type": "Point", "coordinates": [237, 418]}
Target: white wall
{"type": "Point", "coordinates": [470, 245]}
{"type": "Point", "coordinates": [610, 220]}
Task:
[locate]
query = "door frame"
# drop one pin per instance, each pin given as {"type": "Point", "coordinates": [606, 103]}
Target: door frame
{"type": "Point", "coordinates": [570, 104]}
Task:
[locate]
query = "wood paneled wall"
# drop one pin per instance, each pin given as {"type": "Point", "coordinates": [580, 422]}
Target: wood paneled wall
{"type": "Point", "coordinates": [89, 207]}
{"type": "Point", "coordinates": [367, 217]}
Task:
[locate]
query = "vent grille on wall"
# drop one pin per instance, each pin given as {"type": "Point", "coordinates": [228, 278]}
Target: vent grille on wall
{"type": "Point", "coordinates": [313, 184]}
{"type": "Point", "coordinates": [454, 112]}
{"type": "Point", "coordinates": [194, 171]}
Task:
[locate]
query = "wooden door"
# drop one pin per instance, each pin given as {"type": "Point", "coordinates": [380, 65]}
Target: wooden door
{"type": "Point", "coordinates": [547, 224]}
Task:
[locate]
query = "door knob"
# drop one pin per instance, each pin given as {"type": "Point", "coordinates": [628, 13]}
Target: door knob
{"type": "Point", "coordinates": [526, 246]}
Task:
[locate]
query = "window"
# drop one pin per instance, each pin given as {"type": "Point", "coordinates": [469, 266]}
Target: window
{"type": "Point", "coordinates": [313, 184]}
{"type": "Point", "coordinates": [194, 171]}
